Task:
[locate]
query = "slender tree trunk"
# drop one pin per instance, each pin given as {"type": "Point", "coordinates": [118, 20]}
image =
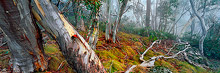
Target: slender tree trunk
{"type": "Point", "coordinates": [94, 32]}
{"type": "Point", "coordinates": [122, 9]}
{"type": "Point", "coordinates": [155, 19]}
{"type": "Point", "coordinates": [148, 13]}
{"type": "Point", "coordinates": [203, 26]}
{"type": "Point", "coordinates": [75, 10]}
{"type": "Point", "coordinates": [108, 25]}
{"type": "Point", "coordinates": [187, 24]}
{"type": "Point", "coordinates": [192, 28]}
{"type": "Point", "coordinates": [75, 49]}
{"type": "Point", "coordinates": [23, 36]}
{"type": "Point", "coordinates": [80, 24]}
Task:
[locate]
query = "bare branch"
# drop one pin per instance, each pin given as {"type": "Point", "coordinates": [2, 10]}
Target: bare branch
{"type": "Point", "coordinates": [142, 56]}
{"type": "Point", "coordinates": [150, 62]}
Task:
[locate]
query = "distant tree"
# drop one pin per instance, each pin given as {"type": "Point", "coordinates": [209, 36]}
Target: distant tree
{"type": "Point", "coordinates": [111, 33]}
{"type": "Point", "coordinates": [148, 12]}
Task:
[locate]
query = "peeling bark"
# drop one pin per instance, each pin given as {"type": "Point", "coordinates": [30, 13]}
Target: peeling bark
{"type": "Point", "coordinates": [23, 36]}
{"type": "Point", "coordinates": [75, 49]}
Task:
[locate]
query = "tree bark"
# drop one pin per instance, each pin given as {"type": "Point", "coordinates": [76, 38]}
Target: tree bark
{"type": "Point", "coordinates": [93, 32]}
{"type": "Point", "coordinates": [148, 10]}
{"type": "Point", "coordinates": [75, 49]}
{"type": "Point", "coordinates": [108, 25]}
{"type": "Point", "coordinates": [203, 26]}
{"type": "Point", "coordinates": [122, 9]}
{"type": "Point", "coordinates": [23, 36]}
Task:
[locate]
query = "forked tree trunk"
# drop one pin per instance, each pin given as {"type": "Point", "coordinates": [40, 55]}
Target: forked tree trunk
{"type": "Point", "coordinates": [75, 49]}
{"type": "Point", "coordinates": [203, 26]}
{"type": "Point", "coordinates": [23, 36]}
{"type": "Point", "coordinates": [122, 9]}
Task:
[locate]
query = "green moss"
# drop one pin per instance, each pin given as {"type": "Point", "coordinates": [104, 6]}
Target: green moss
{"type": "Point", "coordinates": [149, 54]}
{"type": "Point", "coordinates": [136, 58]}
{"type": "Point", "coordinates": [146, 40]}
{"type": "Point", "coordinates": [128, 50]}
{"type": "Point", "coordinates": [201, 70]}
{"type": "Point", "coordinates": [51, 48]}
{"type": "Point", "coordinates": [114, 65]}
{"type": "Point", "coordinates": [117, 53]}
{"type": "Point", "coordinates": [186, 67]}
{"type": "Point", "coordinates": [169, 66]}
{"type": "Point", "coordinates": [118, 66]}
{"type": "Point", "coordinates": [104, 54]}
{"type": "Point", "coordinates": [139, 69]}
{"type": "Point", "coordinates": [54, 63]}
{"type": "Point", "coordinates": [99, 43]}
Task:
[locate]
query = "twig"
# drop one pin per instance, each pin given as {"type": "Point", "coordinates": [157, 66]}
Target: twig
{"type": "Point", "coordinates": [150, 62]}
{"type": "Point", "coordinates": [141, 42]}
{"type": "Point", "coordinates": [193, 63]}
{"type": "Point", "coordinates": [111, 67]}
{"type": "Point", "coordinates": [176, 44]}
{"type": "Point", "coordinates": [61, 64]}
{"type": "Point", "coordinates": [142, 56]}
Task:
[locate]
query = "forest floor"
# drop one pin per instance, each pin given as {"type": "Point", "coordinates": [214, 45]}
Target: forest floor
{"type": "Point", "coordinates": [117, 57]}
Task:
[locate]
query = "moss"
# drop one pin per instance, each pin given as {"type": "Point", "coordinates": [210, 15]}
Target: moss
{"type": "Point", "coordinates": [149, 54]}
{"type": "Point", "coordinates": [114, 65]}
{"type": "Point", "coordinates": [139, 69]}
{"type": "Point", "coordinates": [117, 65]}
{"type": "Point", "coordinates": [105, 55]}
{"type": "Point", "coordinates": [99, 43]}
{"type": "Point", "coordinates": [145, 40]}
{"type": "Point", "coordinates": [54, 63]}
{"type": "Point", "coordinates": [138, 44]}
{"type": "Point", "coordinates": [186, 67]}
{"type": "Point", "coordinates": [169, 66]}
{"type": "Point", "coordinates": [117, 53]}
{"type": "Point", "coordinates": [51, 48]}
{"type": "Point", "coordinates": [201, 70]}
{"type": "Point", "coordinates": [136, 58]}
{"type": "Point", "coordinates": [128, 50]}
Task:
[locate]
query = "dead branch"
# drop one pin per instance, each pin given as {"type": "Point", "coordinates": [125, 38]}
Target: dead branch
{"type": "Point", "coordinates": [142, 56]}
{"type": "Point", "coordinates": [193, 63]}
{"type": "Point", "coordinates": [150, 62]}
{"type": "Point", "coordinates": [176, 44]}
{"type": "Point", "coordinates": [61, 64]}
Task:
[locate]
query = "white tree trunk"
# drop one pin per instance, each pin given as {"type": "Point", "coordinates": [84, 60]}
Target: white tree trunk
{"type": "Point", "coordinates": [75, 49]}
{"type": "Point", "coordinates": [203, 26]}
